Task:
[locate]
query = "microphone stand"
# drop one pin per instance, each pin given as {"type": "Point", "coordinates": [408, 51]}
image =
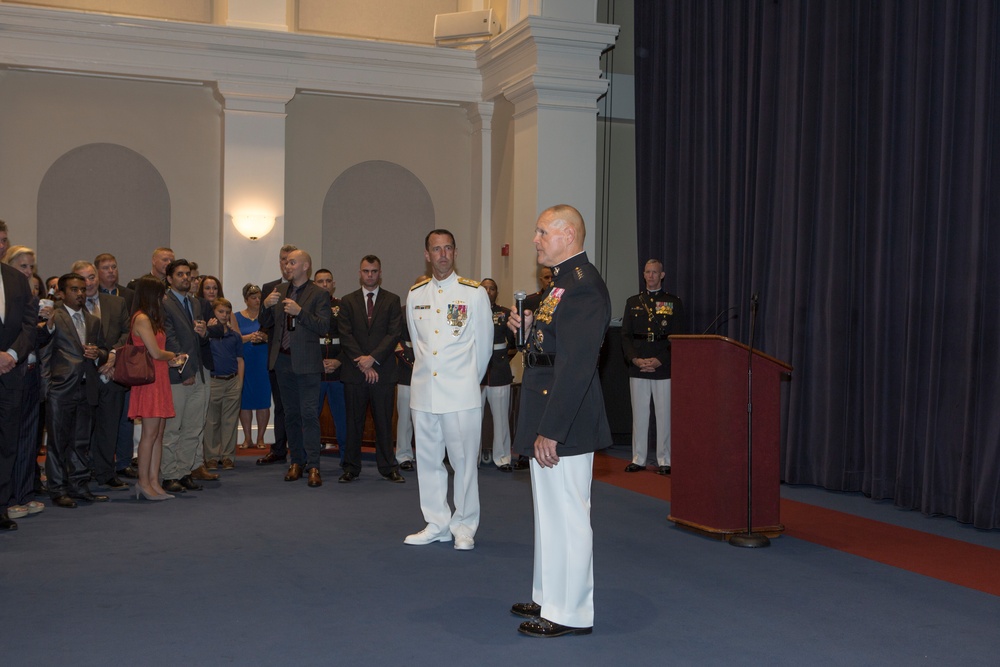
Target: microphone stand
{"type": "Point", "coordinates": [750, 539]}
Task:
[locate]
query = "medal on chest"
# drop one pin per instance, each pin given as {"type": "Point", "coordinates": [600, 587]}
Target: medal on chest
{"type": "Point", "coordinates": [548, 307]}
{"type": "Point", "coordinates": [458, 315]}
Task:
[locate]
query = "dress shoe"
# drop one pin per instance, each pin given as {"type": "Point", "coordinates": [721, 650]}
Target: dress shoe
{"type": "Point", "coordinates": [634, 467]}
{"type": "Point", "coordinates": [173, 486]}
{"type": "Point", "coordinates": [294, 472]}
{"type": "Point", "coordinates": [663, 470]}
{"type": "Point", "coordinates": [128, 471]}
{"type": "Point", "coordinates": [506, 467]}
{"type": "Point", "coordinates": [114, 484]}
{"type": "Point", "coordinates": [464, 542]}
{"type": "Point", "coordinates": [212, 464]}
{"type": "Point", "coordinates": [64, 501]}
{"type": "Point", "coordinates": [520, 464]}
{"type": "Point", "coordinates": [526, 609]}
{"type": "Point", "coordinates": [201, 473]}
{"type": "Point", "coordinates": [347, 477]}
{"type": "Point", "coordinates": [427, 536]}
{"type": "Point", "coordinates": [187, 481]}
{"type": "Point", "coordinates": [406, 465]}
{"type": "Point", "coordinates": [89, 497]}
{"type": "Point", "coordinates": [269, 459]}
{"type": "Point", "coordinates": [314, 478]}
{"type": "Point", "coordinates": [228, 464]}
{"type": "Point", "coordinates": [17, 511]}
{"type": "Point", "coordinates": [6, 523]}
{"type": "Point", "coordinates": [394, 477]}
{"type": "Point", "coordinates": [542, 627]}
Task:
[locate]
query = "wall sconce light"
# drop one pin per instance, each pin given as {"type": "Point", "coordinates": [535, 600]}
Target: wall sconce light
{"type": "Point", "coordinates": [253, 226]}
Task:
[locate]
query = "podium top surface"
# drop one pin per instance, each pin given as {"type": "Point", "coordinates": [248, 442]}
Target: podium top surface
{"type": "Point", "coordinates": [730, 341]}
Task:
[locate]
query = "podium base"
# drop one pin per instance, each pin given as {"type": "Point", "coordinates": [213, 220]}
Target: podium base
{"type": "Point", "coordinates": [749, 540]}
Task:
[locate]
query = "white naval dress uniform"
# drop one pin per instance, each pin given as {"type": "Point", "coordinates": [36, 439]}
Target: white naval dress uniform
{"type": "Point", "coordinates": [451, 327]}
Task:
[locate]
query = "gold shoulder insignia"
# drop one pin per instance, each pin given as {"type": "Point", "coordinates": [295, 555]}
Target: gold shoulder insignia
{"type": "Point", "coordinates": [420, 284]}
{"type": "Point", "coordinates": [469, 283]}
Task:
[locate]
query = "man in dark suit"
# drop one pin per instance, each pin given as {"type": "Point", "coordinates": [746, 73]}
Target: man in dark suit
{"type": "Point", "coordinates": [279, 448]}
{"type": "Point", "coordinates": [107, 276]}
{"type": "Point", "coordinates": [561, 424]}
{"type": "Point", "coordinates": [299, 314]}
{"type": "Point", "coordinates": [184, 324]}
{"type": "Point", "coordinates": [18, 314]}
{"type": "Point", "coordinates": [73, 349]}
{"type": "Point", "coordinates": [114, 317]}
{"type": "Point", "coordinates": [370, 323]}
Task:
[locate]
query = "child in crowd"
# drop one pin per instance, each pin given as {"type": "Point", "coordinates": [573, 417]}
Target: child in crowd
{"type": "Point", "coordinates": [226, 387]}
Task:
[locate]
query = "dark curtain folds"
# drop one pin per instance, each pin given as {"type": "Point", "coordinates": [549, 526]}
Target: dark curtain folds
{"type": "Point", "coordinates": [841, 159]}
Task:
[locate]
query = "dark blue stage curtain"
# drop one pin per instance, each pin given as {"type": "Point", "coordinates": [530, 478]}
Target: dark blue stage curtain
{"type": "Point", "coordinates": [841, 158]}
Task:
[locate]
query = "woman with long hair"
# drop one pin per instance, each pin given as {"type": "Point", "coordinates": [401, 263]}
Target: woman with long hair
{"type": "Point", "coordinates": [152, 403]}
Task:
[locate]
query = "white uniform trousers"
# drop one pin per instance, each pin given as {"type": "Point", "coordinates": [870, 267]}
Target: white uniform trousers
{"type": "Point", "coordinates": [563, 581]}
{"type": "Point", "coordinates": [458, 433]}
{"type": "Point", "coordinates": [641, 391]}
{"type": "Point", "coordinates": [499, 398]}
{"type": "Point", "coordinates": [404, 424]}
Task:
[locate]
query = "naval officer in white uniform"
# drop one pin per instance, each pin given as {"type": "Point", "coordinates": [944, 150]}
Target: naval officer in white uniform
{"type": "Point", "coordinates": [451, 326]}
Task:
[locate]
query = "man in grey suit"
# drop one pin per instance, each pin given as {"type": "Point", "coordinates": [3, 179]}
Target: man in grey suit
{"type": "Point", "coordinates": [183, 453]}
{"type": "Point", "coordinates": [298, 312]}
{"type": "Point", "coordinates": [18, 315]}
{"type": "Point", "coordinates": [113, 314]}
{"type": "Point", "coordinates": [370, 323]}
{"type": "Point", "coordinates": [72, 350]}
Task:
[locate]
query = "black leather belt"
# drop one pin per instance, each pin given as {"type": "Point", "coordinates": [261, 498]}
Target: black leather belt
{"type": "Point", "coordinates": [650, 337]}
{"type": "Point", "coordinates": [285, 350]}
{"type": "Point", "coordinates": [224, 377]}
{"type": "Point", "coordinates": [536, 360]}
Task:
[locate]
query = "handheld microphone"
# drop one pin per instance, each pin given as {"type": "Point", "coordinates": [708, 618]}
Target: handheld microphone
{"type": "Point", "coordinates": [519, 298]}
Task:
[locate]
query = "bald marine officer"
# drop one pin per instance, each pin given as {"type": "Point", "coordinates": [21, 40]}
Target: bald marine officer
{"type": "Point", "coordinates": [451, 326]}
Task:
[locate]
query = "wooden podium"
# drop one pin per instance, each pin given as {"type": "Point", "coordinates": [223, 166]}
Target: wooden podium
{"type": "Point", "coordinates": [708, 405]}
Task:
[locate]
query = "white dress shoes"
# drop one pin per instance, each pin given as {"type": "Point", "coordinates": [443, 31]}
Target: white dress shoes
{"type": "Point", "coordinates": [427, 536]}
{"type": "Point", "coordinates": [464, 542]}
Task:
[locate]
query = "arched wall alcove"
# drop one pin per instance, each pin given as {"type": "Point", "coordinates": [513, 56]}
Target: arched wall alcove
{"type": "Point", "coordinates": [380, 208]}
{"type": "Point", "coordinates": [98, 198]}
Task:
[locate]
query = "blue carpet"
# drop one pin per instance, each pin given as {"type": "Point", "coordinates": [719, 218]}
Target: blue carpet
{"type": "Point", "coordinates": [257, 571]}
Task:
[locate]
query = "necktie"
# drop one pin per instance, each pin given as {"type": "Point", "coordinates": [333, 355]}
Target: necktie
{"type": "Point", "coordinates": [81, 329]}
{"type": "Point", "coordinates": [187, 307]}
{"type": "Point", "coordinates": [94, 305]}
{"type": "Point", "coordinates": [371, 307]}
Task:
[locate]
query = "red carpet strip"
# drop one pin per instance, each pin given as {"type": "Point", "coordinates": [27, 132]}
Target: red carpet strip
{"type": "Point", "coordinates": [970, 565]}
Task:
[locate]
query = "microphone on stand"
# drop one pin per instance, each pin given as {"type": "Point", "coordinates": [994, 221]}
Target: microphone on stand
{"type": "Point", "coordinates": [715, 323]}
{"type": "Point", "coordinates": [519, 298]}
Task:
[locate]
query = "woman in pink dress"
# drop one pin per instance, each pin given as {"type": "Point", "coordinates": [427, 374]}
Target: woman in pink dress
{"type": "Point", "coordinates": [153, 403]}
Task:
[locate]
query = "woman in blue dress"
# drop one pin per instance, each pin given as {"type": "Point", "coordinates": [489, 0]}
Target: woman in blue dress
{"type": "Point", "coordinates": [256, 385]}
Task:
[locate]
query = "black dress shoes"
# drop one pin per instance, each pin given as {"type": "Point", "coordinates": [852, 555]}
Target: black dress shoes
{"type": "Point", "coordinates": [114, 484]}
{"type": "Point", "coordinates": [634, 467]}
{"type": "Point", "coordinates": [506, 467]}
{"type": "Point", "coordinates": [128, 471]}
{"type": "Point", "coordinates": [6, 523]}
{"type": "Point", "coordinates": [541, 627]}
{"type": "Point", "coordinates": [663, 470]}
{"type": "Point", "coordinates": [394, 477]}
{"type": "Point", "coordinates": [406, 465]}
{"type": "Point", "coordinates": [526, 609]}
{"type": "Point", "coordinates": [189, 483]}
{"type": "Point", "coordinates": [269, 459]}
{"type": "Point", "coordinates": [88, 497]}
{"type": "Point", "coordinates": [64, 501]}
{"type": "Point", "coordinates": [173, 486]}
{"type": "Point", "coordinates": [348, 477]}
{"type": "Point", "coordinates": [520, 464]}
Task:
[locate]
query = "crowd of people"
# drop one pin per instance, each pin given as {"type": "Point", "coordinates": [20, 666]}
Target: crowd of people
{"type": "Point", "coordinates": [437, 361]}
